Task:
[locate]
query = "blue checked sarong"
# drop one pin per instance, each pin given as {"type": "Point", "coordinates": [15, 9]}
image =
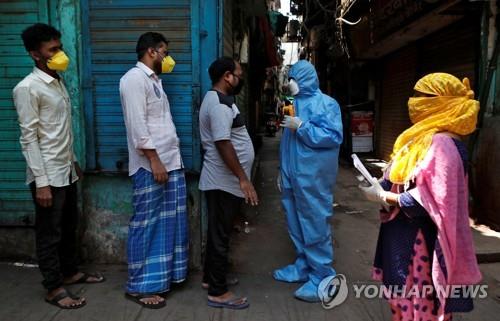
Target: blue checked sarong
{"type": "Point", "coordinates": [157, 246]}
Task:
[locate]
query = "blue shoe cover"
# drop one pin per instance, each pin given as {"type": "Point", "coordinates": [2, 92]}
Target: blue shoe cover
{"type": "Point", "coordinates": [291, 274]}
{"type": "Point", "coordinates": [308, 292]}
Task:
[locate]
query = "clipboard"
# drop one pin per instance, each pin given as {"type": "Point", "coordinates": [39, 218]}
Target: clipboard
{"type": "Point", "coordinates": [363, 171]}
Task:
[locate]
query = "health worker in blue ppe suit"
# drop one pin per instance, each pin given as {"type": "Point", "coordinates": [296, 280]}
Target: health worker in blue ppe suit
{"type": "Point", "coordinates": [309, 154]}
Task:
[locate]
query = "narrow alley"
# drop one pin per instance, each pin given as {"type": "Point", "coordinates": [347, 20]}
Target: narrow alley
{"type": "Point", "coordinates": [255, 255]}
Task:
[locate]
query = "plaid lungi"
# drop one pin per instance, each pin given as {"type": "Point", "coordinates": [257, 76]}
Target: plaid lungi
{"type": "Point", "coordinates": [157, 246]}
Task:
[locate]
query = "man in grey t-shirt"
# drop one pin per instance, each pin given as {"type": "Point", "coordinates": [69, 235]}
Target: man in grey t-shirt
{"type": "Point", "coordinates": [228, 160]}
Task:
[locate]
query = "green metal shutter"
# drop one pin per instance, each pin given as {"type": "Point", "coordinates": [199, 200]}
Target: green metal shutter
{"type": "Point", "coordinates": [16, 205]}
{"type": "Point", "coordinates": [110, 37]}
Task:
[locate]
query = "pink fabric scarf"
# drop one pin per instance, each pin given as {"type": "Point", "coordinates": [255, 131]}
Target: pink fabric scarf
{"type": "Point", "coordinates": [441, 188]}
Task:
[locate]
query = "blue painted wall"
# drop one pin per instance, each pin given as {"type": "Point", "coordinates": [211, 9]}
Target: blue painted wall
{"type": "Point", "coordinates": [110, 32]}
{"type": "Point", "coordinates": [100, 38]}
{"type": "Point", "coordinates": [16, 206]}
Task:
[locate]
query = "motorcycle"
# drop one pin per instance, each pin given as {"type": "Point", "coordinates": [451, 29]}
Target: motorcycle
{"type": "Point", "coordinates": [271, 124]}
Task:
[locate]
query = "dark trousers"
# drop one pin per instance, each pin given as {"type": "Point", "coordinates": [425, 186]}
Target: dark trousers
{"type": "Point", "coordinates": [55, 230]}
{"type": "Point", "coordinates": [222, 208]}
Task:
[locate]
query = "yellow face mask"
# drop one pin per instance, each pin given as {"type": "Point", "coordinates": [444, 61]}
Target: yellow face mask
{"type": "Point", "coordinates": [451, 108]}
{"type": "Point", "coordinates": [167, 65]}
{"type": "Point", "coordinates": [58, 62]}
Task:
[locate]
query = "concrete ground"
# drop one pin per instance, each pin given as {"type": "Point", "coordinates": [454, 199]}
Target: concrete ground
{"type": "Point", "coordinates": [254, 257]}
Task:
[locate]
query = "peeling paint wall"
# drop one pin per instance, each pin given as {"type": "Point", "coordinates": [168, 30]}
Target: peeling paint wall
{"type": "Point", "coordinates": [68, 17]}
{"type": "Point", "coordinates": [107, 209]}
{"type": "Point", "coordinates": [105, 199]}
{"type": "Point", "coordinates": [17, 243]}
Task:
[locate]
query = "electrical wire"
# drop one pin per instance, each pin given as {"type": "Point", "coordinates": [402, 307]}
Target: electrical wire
{"type": "Point", "coordinates": [349, 22]}
{"type": "Point", "coordinates": [344, 13]}
{"type": "Point", "coordinates": [324, 8]}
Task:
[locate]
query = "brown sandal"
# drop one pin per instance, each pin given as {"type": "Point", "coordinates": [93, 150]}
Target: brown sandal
{"type": "Point", "coordinates": [137, 299]}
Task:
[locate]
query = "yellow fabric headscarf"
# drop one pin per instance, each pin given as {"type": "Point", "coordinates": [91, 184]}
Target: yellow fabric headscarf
{"type": "Point", "coordinates": [452, 108]}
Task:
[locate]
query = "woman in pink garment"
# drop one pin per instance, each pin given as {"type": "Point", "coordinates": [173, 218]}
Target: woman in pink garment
{"type": "Point", "coordinates": [425, 244]}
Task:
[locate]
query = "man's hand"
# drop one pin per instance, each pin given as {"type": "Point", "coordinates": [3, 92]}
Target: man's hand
{"type": "Point", "coordinates": [249, 192]}
{"type": "Point", "coordinates": [79, 171]}
{"type": "Point", "coordinates": [159, 172]}
{"type": "Point", "coordinates": [44, 196]}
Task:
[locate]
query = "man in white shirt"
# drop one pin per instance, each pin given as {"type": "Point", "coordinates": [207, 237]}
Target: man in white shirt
{"type": "Point", "coordinates": [44, 109]}
{"type": "Point", "coordinates": [157, 248]}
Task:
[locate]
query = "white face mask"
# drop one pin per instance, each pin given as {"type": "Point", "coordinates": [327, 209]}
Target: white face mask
{"type": "Point", "coordinates": [293, 87]}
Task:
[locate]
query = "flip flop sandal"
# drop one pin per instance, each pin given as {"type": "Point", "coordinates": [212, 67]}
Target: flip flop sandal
{"type": "Point", "coordinates": [84, 279]}
{"type": "Point", "coordinates": [137, 299]}
{"type": "Point", "coordinates": [230, 304]}
{"type": "Point", "coordinates": [55, 301]}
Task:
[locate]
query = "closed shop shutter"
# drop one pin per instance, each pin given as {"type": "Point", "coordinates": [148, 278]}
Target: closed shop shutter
{"type": "Point", "coordinates": [228, 29]}
{"type": "Point", "coordinates": [16, 205]}
{"type": "Point", "coordinates": [398, 72]}
{"type": "Point", "coordinates": [453, 50]}
{"type": "Point", "coordinates": [111, 34]}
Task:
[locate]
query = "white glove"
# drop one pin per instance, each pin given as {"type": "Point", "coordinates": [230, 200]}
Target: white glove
{"type": "Point", "coordinates": [375, 194]}
{"type": "Point", "coordinates": [291, 122]}
{"type": "Point", "coordinates": [278, 182]}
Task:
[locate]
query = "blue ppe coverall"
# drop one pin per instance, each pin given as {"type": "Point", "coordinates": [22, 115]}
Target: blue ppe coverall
{"type": "Point", "coordinates": [309, 164]}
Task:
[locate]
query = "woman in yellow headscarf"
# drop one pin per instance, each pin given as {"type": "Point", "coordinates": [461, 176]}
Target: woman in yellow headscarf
{"type": "Point", "coordinates": [425, 243]}
{"type": "Point", "coordinates": [445, 105]}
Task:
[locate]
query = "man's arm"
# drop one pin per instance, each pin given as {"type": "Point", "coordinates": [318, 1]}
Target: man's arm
{"type": "Point", "coordinates": [27, 109]}
{"type": "Point", "coordinates": [322, 131]}
{"type": "Point", "coordinates": [228, 155]}
{"type": "Point", "coordinates": [133, 96]}
{"type": "Point", "coordinates": [221, 120]}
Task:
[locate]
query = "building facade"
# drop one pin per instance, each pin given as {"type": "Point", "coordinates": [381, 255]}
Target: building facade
{"type": "Point", "coordinates": [99, 37]}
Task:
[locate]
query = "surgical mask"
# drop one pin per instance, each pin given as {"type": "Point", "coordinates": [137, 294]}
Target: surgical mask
{"type": "Point", "coordinates": [293, 87]}
{"type": "Point", "coordinates": [58, 62]}
{"type": "Point", "coordinates": [167, 64]}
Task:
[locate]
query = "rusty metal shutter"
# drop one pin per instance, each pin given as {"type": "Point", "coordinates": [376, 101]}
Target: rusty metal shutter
{"type": "Point", "coordinates": [398, 78]}
{"type": "Point", "coordinates": [453, 50]}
